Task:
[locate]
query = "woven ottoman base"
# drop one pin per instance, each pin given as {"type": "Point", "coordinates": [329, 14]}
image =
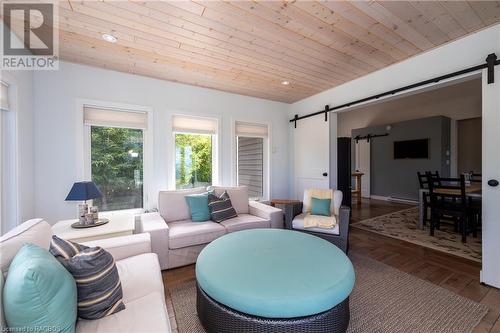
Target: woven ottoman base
{"type": "Point", "coordinates": [216, 317]}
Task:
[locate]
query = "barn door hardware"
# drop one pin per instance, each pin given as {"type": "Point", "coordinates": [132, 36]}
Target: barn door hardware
{"type": "Point", "coordinates": [491, 61]}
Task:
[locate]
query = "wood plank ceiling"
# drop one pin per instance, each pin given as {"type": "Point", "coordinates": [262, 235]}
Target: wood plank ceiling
{"type": "Point", "coordinates": [250, 47]}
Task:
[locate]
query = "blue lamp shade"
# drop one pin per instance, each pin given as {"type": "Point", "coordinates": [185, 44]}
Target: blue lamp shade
{"type": "Point", "coordinates": [83, 191]}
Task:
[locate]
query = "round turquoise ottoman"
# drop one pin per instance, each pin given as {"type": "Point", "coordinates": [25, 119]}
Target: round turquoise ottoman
{"type": "Point", "coordinates": [273, 280]}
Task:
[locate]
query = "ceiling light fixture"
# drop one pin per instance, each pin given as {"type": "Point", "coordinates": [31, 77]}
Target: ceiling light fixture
{"type": "Point", "coordinates": [109, 38]}
{"type": "Point", "coordinates": [285, 83]}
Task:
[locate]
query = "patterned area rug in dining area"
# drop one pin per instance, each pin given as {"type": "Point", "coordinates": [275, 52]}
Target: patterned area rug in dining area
{"type": "Point", "coordinates": [384, 299]}
{"type": "Point", "coordinates": [403, 225]}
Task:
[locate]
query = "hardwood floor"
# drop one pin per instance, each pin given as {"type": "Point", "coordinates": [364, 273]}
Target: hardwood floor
{"type": "Point", "coordinates": [456, 274]}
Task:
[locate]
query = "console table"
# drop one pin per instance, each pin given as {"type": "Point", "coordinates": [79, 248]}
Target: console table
{"type": "Point", "coordinates": [119, 225]}
{"type": "Point", "coordinates": [357, 190]}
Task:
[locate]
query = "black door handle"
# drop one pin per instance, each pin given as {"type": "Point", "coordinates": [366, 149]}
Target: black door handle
{"type": "Point", "coordinates": [325, 174]}
{"type": "Point", "coordinates": [493, 182]}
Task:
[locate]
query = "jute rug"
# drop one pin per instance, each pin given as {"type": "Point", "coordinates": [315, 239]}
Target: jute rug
{"type": "Point", "coordinates": [403, 225]}
{"type": "Point", "coordinates": [383, 300]}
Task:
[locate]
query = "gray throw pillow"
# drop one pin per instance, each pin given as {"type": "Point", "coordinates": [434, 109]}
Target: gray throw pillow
{"type": "Point", "coordinates": [220, 208]}
{"type": "Point", "coordinates": [97, 281]}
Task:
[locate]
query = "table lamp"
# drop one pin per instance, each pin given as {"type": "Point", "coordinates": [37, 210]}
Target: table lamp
{"type": "Point", "coordinates": [83, 191]}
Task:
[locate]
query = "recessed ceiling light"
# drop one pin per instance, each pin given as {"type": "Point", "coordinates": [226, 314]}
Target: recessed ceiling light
{"type": "Point", "coordinates": [109, 38]}
{"type": "Point", "coordinates": [285, 83]}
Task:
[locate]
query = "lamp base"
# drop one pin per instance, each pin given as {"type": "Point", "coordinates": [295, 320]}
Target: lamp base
{"type": "Point", "coordinates": [83, 209]}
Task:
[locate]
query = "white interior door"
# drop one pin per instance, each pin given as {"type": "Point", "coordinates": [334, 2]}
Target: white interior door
{"type": "Point", "coordinates": [311, 154]}
{"type": "Point", "coordinates": [363, 165]}
{"type": "Point", "coordinates": [491, 172]}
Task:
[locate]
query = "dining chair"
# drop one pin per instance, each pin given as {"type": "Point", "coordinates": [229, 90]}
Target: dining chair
{"type": "Point", "coordinates": [448, 199]}
{"type": "Point", "coordinates": [423, 183]}
{"type": "Point", "coordinates": [423, 180]}
{"type": "Point", "coordinates": [434, 176]}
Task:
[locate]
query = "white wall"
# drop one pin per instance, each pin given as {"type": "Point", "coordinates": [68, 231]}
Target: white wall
{"type": "Point", "coordinates": [17, 164]}
{"type": "Point", "coordinates": [56, 95]}
{"type": "Point", "coordinates": [466, 52]}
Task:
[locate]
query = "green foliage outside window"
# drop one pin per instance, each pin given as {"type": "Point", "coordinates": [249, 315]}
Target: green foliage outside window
{"type": "Point", "coordinates": [193, 160]}
{"type": "Point", "coordinates": [117, 167]}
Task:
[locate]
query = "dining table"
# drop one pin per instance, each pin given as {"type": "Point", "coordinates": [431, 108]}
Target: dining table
{"type": "Point", "coordinates": [472, 190]}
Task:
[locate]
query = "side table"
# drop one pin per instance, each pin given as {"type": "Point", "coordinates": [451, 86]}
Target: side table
{"type": "Point", "coordinates": [288, 206]}
{"type": "Point", "coordinates": [118, 225]}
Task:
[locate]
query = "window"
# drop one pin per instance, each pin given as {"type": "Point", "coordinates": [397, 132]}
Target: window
{"type": "Point", "coordinates": [194, 151]}
{"type": "Point", "coordinates": [4, 108]}
{"type": "Point", "coordinates": [251, 158]}
{"type": "Point", "coordinates": [117, 156]}
{"type": "Point", "coordinates": [4, 96]}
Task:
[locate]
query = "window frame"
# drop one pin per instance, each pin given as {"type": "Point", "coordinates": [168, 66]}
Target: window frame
{"type": "Point", "coordinates": [13, 207]}
{"type": "Point", "coordinates": [84, 155]}
{"type": "Point", "coordinates": [215, 148]}
{"type": "Point", "coordinates": [266, 158]}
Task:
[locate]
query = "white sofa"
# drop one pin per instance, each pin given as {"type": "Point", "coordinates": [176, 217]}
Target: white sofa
{"type": "Point", "coordinates": [139, 272]}
{"type": "Point", "coordinates": [178, 240]}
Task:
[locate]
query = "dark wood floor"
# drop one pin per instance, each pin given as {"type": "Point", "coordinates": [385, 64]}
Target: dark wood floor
{"type": "Point", "coordinates": [456, 274]}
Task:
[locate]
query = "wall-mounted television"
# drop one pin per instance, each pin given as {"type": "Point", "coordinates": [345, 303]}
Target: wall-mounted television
{"type": "Point", "coordinates": [411, 149]}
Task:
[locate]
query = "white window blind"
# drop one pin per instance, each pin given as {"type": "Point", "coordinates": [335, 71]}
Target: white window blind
{"type": "Point", "coordinates": [115, 118]}
{"type": "Point", "coordinates": [251, 165]}
{"type": "Point", "coordinates": [189, 124]}
{"type": "Point", "coordinates": [251, 130]}
{"type": "Point", "coordinates": [4, 98]}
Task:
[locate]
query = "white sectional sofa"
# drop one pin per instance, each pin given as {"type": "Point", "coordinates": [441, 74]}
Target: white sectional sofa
{"type": "Point", "coordinates": [177, 240]}
{"type": "Point", "coordinates": [139, 272]}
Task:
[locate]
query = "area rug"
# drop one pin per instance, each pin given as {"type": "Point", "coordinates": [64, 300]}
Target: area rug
{"type": "Point", "coordinates": [403, 225]}
{"type": "Point", "coordinates": [383, 300]}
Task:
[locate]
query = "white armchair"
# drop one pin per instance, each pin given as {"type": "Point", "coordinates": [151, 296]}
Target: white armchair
{"type": "Point", "coordinates": [294, 219]}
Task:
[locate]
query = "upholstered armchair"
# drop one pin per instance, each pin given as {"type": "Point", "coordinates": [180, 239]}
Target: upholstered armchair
{"type": "Point", "coordinates": [339, 235]}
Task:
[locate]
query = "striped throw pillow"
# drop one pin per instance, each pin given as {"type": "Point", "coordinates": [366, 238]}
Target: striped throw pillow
{"type": "Point", "coordinates": [220, 208]}
{"type": "Point", "coordinates": [97, 281]}
{"type": "Point", "coordinates": [64, 249]}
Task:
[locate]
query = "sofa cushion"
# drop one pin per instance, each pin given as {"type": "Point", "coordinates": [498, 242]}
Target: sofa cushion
{"type": "Point", "coordinates": [298, 223]}
{"type": "Point", "coordinates": [245, 221]}
{"type": "Point", "coordinates": [35, 231]}
{"type": "Point", "coordinates": [198, 207]}
{"type": "Point", "coordinates": [97, 281]}
{"type": "Point", "coordinates": [140, 275]}
{"type": "Point", "coordinates": [238, 195]}
{"type": "Point", "coordinates": [220, 207]}
{"type": "Point", "coordinates": [188, 233]}
{"type": "Point", "coordinates": [39, 292]}
{"type": "Point", "coordinates": [335, 203]}
{"type": "Point", "coordinates": [173, 206]}
{"type": "Point", "coordinates": [320, 206]}
{"type": "Point", "coordinates": [145, 314]}
{"type": "Point", "coordinates": [65, 249]}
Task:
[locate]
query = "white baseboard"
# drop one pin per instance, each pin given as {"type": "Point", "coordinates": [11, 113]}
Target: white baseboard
{"type": "Point", "coordinates": [393, 199]}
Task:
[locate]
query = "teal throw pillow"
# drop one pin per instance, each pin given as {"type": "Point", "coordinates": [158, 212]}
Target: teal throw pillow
{"type": "Point", "coordinates": [320, 206]}
{"type": "Point", "coordinates": [198, 206]}
{"type": "Point", "coordinates": [39, 294]}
